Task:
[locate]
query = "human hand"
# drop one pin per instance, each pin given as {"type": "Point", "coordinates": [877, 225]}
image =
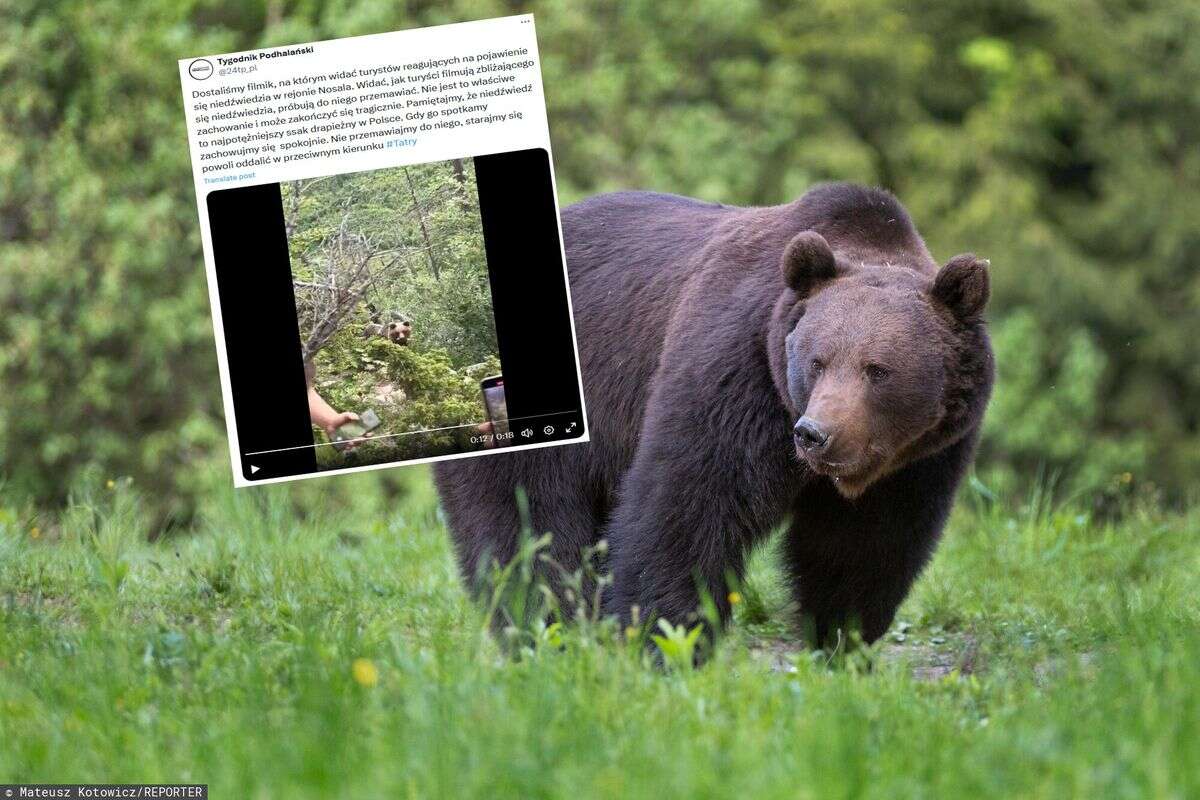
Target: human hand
{"type": "Point", "coordinates": [337, 420]}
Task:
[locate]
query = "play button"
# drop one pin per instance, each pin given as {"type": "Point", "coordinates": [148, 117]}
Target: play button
{"type": "Point", "coordinates": [254, 469]}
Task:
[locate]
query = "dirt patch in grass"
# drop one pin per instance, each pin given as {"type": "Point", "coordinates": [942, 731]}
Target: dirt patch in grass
{"type": "Point", "coordinates": [928, 658]}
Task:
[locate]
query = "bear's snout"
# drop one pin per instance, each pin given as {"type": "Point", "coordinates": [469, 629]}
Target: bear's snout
{"type": "Point", "coordinates": [810, 434]}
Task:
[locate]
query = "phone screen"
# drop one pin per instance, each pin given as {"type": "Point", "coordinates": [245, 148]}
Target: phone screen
{"type": "Point", "coordinates": [494, 402]}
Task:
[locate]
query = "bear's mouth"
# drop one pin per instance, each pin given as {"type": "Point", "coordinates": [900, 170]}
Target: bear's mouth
{"type": "Point", "coordinates": [850, 478]}
{"type": "Point", "coordinates": [836, 469]}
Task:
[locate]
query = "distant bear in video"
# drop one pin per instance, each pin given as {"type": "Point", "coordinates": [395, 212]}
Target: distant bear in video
{"type": "Point", "coordinates": [393, 325]}
{"type": "Point", "coordinates": [807, 363]}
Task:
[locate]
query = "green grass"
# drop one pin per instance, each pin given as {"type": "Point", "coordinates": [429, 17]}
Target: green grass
{"type": "Point", "coordinates": [1043, 655]}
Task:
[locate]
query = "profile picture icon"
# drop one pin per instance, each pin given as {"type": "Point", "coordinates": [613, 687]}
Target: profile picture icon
{"type": "Point", "coordinates": [200, 69]}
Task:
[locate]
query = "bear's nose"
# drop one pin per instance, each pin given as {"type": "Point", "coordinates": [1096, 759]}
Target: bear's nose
{"type": "Point", "coordinates": [810, 434]}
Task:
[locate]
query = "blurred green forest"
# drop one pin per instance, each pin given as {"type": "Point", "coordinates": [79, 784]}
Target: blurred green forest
{"type": "Point", "coordinates": [1059, 139]}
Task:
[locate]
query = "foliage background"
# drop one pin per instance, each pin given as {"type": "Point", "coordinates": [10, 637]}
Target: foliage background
{"type": "Point", "coordinates": [1057, 138]}
{"type": "Point", "coordinates": [427, 253]}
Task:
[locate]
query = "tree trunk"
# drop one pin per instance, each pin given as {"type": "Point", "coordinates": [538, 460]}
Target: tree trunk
{"type": "Point", "coordinates": [433, 267]}
{"type": "Point", "coordinates": [460, 178]}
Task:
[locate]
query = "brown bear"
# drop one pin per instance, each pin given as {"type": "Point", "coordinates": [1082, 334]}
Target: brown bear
{"type": "Point", "coordinates": [806, 364]}
{"type": "Point", "coordinates": [398, 328]}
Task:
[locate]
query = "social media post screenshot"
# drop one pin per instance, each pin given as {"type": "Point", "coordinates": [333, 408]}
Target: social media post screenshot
{"type": "Point", "coordinates": [383, 248]}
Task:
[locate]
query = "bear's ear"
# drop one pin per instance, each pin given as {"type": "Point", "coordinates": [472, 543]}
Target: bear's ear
{"type": "Point", "coordinates": [963, 285]}
{"type": "Point", "coordinates": [807, 260]}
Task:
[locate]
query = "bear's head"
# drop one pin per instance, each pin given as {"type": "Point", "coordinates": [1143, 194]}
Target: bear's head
{"type": "Point", "coordinates": [883, 364]}
{"type": "Point", "coordinates": [399, 330]}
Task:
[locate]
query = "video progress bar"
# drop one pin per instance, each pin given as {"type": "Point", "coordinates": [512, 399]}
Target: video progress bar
{"type": "Point", "coordinates": [396, 435]}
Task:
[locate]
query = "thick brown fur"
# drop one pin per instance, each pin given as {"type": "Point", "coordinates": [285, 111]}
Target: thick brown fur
{"type": "Point", "coordinates": [707, 334]}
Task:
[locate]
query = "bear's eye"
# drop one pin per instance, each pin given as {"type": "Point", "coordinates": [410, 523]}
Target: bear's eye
{"type": "Point", "coordinates": [816, 367]}
{"type": "Point", "coordinates": [876, 373]}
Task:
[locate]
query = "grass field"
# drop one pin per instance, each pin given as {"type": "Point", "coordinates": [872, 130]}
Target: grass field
{"type": "Point", "coordinates": [315, 641]}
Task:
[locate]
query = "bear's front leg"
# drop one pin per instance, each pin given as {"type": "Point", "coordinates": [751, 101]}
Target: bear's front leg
{"type": "Point", "coordinates": [705, 485]}
{"type": "Point", "coordinates": [854, 561]}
